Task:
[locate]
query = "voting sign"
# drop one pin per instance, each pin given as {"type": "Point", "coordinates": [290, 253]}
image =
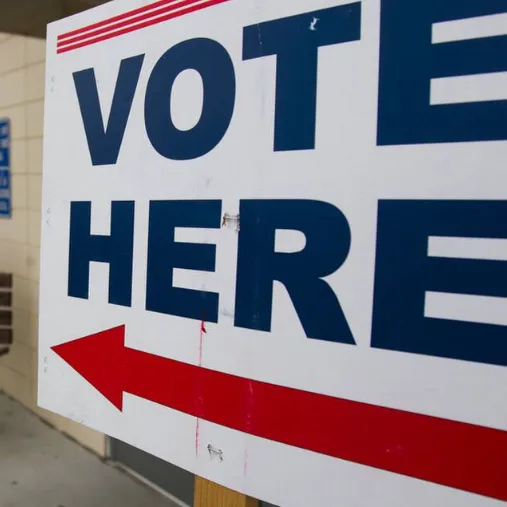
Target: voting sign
{"type": "Point", "coordinates": [274, 243]}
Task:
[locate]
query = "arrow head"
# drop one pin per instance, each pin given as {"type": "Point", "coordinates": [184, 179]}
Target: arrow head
{"type": "Point", "coordinates": [99, 359]}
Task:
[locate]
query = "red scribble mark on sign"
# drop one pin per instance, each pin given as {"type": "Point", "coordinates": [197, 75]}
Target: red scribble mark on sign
{"type": "Point", "coordinates": [197, 423]}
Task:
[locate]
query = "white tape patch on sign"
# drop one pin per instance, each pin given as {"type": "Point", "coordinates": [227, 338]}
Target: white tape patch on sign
{"type": "Point", "coordinates": [274, 243]}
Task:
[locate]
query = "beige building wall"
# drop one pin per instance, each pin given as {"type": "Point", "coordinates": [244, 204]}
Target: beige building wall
{"type": "Point", "coordinates": [22, 100]}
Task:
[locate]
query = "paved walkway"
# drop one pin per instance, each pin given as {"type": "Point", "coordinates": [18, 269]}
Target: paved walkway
{"type": "Point", "coordinates": [39, 467]}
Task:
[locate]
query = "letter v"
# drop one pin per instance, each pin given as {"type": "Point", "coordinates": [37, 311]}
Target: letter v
{"type": "Point", "coordinates": [104, 142]}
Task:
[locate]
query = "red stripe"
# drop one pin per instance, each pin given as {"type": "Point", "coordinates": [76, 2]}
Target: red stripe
{"type": "Point", "coordinates": [455, 454]}
{"type": "Point", "coordinates": [127, 22]}
{"type": "Point", "coordinates": [147, 23]}
{"type": "Point", "coordinates": [115, 18]}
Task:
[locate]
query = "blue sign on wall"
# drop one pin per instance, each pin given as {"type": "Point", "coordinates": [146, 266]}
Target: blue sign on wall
{"type": "Point", "coordinates": [5, 168]}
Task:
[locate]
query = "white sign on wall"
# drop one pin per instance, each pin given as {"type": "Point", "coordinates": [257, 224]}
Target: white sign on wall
{"type": "Point", "coordinates": [274, 244]}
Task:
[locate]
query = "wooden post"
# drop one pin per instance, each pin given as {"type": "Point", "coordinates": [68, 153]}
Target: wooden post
{"type": "Point", "coordinates": [209, 494]}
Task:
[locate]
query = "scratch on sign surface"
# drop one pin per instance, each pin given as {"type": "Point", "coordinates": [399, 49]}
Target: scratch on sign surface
{"type": "Point", "coordinates": [245, 462]}
{"type": "Point", "coordinates": [215, 453]}
{"type": "Point", "coordinates": [227, 313]}
{"type": "Point", "coordinates": [313, 24]}
{"type": "Point", "coordinates": [231, 222]}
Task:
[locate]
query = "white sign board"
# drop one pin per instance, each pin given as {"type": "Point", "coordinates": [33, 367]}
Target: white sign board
{"type": "Point", "coordinates": [275, 243]}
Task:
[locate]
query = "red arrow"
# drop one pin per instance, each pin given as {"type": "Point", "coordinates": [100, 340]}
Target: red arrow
{"type": "Point", "coordinates": [464, 456]}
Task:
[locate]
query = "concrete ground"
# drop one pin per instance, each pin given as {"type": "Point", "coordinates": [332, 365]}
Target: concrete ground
{"type": "Point", "coordinates": [40, 467]}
